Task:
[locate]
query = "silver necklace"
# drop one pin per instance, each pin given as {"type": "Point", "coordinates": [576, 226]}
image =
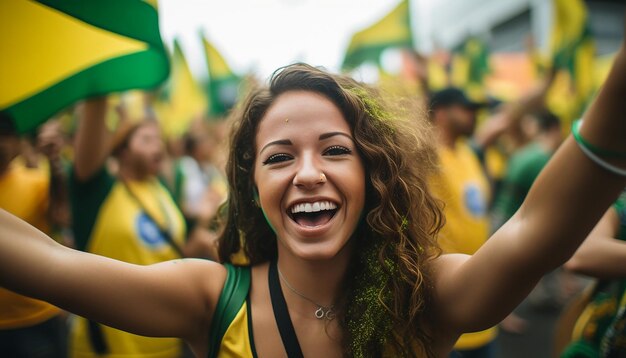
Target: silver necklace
{"type": "Point", "coordinates": [322, 312]}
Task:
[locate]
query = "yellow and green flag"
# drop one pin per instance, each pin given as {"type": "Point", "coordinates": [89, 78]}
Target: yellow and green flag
{"type": "Point", "coordinates": [437, 72]}
{"type": "Point", "coordinates": [56, 52]}
{"type": "Point", "coordinates": [573, 49]}
{"type": "Point", "coordinates": [470, 66]}
{"type": "Point", "coordinates": [392, 31]}
{"type": "Point", "coordinates": [223, 87]}
{"type": "Point", "coordinates": [183, 99]}
{"type": "Point", "coordinates": [602, 67]}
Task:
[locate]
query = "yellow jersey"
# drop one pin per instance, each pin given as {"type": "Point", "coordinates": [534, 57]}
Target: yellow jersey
{"type": "Point", "coordinates": [464, 188]}
{"type": "Point", "coordinates": [123, 221]}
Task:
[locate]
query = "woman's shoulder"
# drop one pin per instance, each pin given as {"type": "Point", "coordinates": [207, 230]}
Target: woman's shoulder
{"type": "Point", "coordinates": [216, 277]}
{"type": "Point", "coordinates": [446, 263]}
{"type": "Point", "coordinates": [204, 277]}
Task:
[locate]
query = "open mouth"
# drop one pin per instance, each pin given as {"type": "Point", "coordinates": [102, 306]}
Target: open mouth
{"type": "Point", "coordinates": [313, 214]}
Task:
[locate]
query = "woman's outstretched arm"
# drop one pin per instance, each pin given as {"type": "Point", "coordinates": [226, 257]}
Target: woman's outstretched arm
{"type": "Point", "coordinates": [173, 299]}
{"type": "Point", "coordinates": [566, 201]}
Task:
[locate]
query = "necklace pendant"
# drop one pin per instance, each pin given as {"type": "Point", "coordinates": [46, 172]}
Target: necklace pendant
{"type": "Point", "coordinates": [319, 313]}
{"type": "Point", "coordinates": [330, 314]}
{"type": "Point", "coordinates": [325, 313]}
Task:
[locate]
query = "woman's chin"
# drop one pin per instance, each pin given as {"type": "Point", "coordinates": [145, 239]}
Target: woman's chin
{"type": "Point", "coordinates": [316, 251]}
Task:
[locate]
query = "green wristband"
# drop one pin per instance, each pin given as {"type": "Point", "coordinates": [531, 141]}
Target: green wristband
{"type": "Point", "coordinates": [592, 148]}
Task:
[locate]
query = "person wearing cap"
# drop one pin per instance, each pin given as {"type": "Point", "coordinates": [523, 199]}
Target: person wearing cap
{"type": "Point", "coordinates": [464, 187]}
{"type": "Point", "coordinates": [462, 182]}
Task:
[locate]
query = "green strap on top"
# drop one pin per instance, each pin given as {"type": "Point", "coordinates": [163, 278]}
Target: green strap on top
{"type": "Point", "coordinates": [232, 298]}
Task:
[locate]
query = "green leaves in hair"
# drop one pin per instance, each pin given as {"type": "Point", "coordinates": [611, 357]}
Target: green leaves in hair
{"type": "Point", "coordinates": [369, 320]}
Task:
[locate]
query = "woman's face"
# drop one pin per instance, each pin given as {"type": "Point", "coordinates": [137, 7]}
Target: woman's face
{"type": "Point", "coordinates": [310, 178]}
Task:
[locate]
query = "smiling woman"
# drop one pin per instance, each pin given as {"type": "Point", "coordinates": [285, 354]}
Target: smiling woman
{"type": "Point", "coordinates": [343, 150]}
{"type": "Point", "coordinates": [329, 202]}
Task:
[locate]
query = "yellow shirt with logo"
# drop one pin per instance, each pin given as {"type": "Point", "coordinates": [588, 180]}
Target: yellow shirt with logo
{"type": "Point", "coordinates": [24, 193]}
{"type": "Point", "coordinates": [464, 188]}
{"type": "Point", "coordinates": [122, 230]}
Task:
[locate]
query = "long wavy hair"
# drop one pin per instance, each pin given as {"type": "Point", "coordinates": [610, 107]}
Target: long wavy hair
{"type": "Point", "coordinates": [388, 284]}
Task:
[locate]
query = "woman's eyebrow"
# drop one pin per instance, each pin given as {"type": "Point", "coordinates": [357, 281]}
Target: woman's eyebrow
{"type": "Point", "coordinates": [277, 142]}
{"type": "Point", "coordinates": [332, 134]}
{"type": "Point", "coordinates": [321, 137]}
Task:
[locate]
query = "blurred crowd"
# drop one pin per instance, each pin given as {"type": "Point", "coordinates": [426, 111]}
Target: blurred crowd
{"type": "Point", "coordinates": [127, 194]}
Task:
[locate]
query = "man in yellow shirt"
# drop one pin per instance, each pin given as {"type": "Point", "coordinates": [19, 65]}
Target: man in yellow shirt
{"type": "Point", "coordinates": [463, 184]}
{"type": "Point", "coordinates": [464, 188]}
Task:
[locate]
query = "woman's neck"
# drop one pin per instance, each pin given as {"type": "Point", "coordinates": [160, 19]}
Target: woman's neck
{"type": "Point", "coordinates": [319, 281]}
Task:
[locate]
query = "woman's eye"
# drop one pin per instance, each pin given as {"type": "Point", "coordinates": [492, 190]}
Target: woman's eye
{"type": "Point", "coordinates": [276, 158]}
{"type": "Point", "coordinates": [337, 150]}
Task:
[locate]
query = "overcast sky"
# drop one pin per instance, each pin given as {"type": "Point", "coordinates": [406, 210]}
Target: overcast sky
{"type": "Point", "coordinates": [262, 35]}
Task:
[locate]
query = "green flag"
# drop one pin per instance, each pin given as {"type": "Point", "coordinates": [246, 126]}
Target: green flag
{"type": "Point", "coordinates": [223, 87]}
{"type": "Point", "coordinates": [60, 51]}
{"type": "Point", "coordinates": [392, 31]}
{"type": "Point", "coordinates": [470, 66]}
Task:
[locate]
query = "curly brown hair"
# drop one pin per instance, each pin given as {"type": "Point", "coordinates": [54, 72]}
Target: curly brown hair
{"type": "Point", "coordinates": [388, 284]}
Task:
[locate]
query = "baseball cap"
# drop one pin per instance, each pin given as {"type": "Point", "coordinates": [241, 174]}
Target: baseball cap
{"type": "Point", "coordinates": [452, 96]}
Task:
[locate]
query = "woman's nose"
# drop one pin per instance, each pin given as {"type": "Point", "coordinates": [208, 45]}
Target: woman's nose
{"type": "Point", "coordinates": [309, 173]}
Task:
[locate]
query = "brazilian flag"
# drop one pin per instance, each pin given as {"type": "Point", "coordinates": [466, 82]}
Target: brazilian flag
{"type": "Point", "coordinates": [392, 31]}
{"type": "Point", "coordinates": [56, 52]}
{"type": "Point", "coordinates": [470, 66]}
{"type": "Point", "coordinates": [573, 49]}
{"type": "Point", "coordinates": [183, 99]}
{"type": "Point", "coordinates": [223, 86]}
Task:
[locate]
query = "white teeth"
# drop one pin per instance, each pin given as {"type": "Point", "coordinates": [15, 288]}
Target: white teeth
{"type": "Point", "coordinates": [313, 207]}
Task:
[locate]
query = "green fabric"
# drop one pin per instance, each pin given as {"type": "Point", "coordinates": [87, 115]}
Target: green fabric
{"type": "Point", "coordinates": [523, 168]}
{"type": "Point", "coordinates": [137, 70]}
{"type": "Point", "coordinates": [175, 190]}
{"type": "Point", "coordinates": [475, 51]}
{"type": "Point", "coordinates": [371, 53]}
{"type": "Point", "coordinates": [392, 31]}
{"type": "Point", "coordinates": [131, 18]}
{"type": "Point", "coordinates": [179, 180]}
{"type": "Point", "coordinates": [144, 70]}
{"type": "Point", "coordinates": [232, 298]}
{"type": "Point", "coordinates": [580, 349]}
{"type": "Point", "coordinates": [223, 85]}
{"type": "Point", "coordinates": [223, 93]}
{"type": "Point", "coordinates": [86, 198]}
{"type": "Point", "coordinates": [565, 56]}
